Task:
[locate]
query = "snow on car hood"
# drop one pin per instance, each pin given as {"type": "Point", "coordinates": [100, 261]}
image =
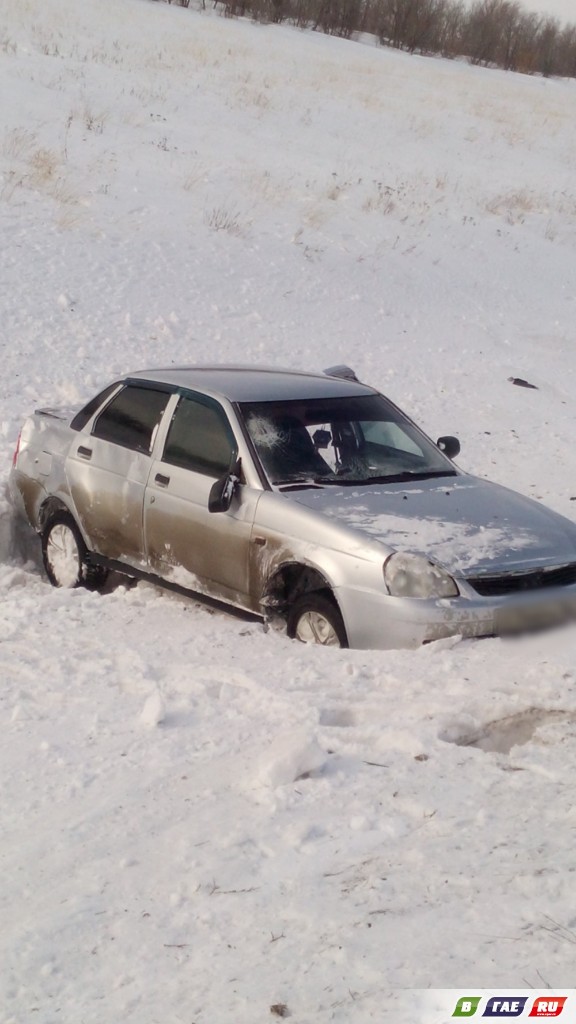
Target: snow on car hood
{"type": "Point", "coordinates": [466, 524]}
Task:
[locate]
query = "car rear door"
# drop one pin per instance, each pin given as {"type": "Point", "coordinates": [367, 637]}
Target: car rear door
{"type": "Point", "coordinates": [108, 467]}
{"type": "Point", "coordinates": [187, 544]}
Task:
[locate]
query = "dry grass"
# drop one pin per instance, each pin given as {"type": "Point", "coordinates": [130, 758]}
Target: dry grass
{"type": "Point", "coordinates": [92, 121]}
{"type": "Point", "coordinates": [197, 175]}
{"type": "Point", "coordinates": [36, 168]}
{"type": "Point", "coordinates": [382, 200]}
{"type": "Point", "coordinates": [248, 96]}
{"type": "Point", "coordinates": [514, 206]}
{"type": "Point", "coordinates": [7, 45]}
{"type": "Point", "coordinates": [43, 165]}
{"type": "Point", "coordinates": [63, 192]}
{"type": "Point", "coordinates": [316, 217]}
{"type": "Point", "coordinates": [337, 190]}
{"type": "Point", "coordinates": [12, 182]}
{"type": "Point", "coordinates": [228, 219]}
{"type": "Point", "coordinates": [409, 199]}
{"type": "Point", "coordinates": [69, 217]}
{"type": "Point", "coordinates": [150, 96]}
{"type": "Point", "coordinates": [18, 144]}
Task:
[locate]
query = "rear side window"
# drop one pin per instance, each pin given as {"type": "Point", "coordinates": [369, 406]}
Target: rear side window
{"type": "Point", "coordinates": [131, 418]}
{"type": "Point", "coordinates": [81, 418]}
{"type": "Point", "coordinates": [200, 438]}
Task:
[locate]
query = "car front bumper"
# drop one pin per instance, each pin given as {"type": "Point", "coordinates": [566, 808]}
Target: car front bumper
{"type": "Point", "coordinates": [382, 622]}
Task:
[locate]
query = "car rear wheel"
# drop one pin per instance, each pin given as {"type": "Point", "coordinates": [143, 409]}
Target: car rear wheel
{"type": "Point", "coordinates": [315, 619]}
{"type": "Point", "coordinates": [65, 555]}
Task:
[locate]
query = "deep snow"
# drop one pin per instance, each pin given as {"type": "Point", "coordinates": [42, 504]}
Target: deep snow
{"type": "Point", "coordinates": [201, 820]}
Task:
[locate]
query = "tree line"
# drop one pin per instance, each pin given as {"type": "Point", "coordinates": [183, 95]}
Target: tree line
{"type": "Point", "coordinates": [493, 33]}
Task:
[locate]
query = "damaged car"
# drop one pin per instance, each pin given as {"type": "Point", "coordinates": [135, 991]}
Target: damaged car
{"type": "Point", "coordinates": [306, 495]}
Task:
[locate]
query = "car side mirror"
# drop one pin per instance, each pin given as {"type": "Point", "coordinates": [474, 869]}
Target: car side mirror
{"type": "Point", "coordinates": [224, 489]}
{"type": "Point", "coordinates": [449, 445]}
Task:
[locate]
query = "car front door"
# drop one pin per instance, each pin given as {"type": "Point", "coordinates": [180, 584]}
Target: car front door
{"type": "Point", "coordinates": [187, 544]}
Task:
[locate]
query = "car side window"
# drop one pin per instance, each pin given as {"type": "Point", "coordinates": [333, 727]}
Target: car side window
{"type": "Point", "coordinates": [132, 417]}
{"type": "Point", "coordinates": [86, 413]}
{"type": "Point", "coordinates": [200, 438]}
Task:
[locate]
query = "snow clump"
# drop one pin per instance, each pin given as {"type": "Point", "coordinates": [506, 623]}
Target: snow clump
{"type": "Point", "coordinates": [291, 756]}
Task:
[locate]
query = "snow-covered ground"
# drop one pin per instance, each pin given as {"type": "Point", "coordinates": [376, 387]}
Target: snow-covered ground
{"type": "Point", "coordinates": [201, 820]}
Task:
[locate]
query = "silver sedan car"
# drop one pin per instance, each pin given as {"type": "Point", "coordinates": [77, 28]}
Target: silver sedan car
{"type": "Point", "coordinates": [311, 496]}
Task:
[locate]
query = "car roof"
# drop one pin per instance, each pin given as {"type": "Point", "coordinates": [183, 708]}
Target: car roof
{"type": "Point", "coordinates": [254, 383]}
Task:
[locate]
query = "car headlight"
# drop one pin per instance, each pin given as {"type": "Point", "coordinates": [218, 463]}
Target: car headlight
{"type": "Point", "coordinates": [414, 576]}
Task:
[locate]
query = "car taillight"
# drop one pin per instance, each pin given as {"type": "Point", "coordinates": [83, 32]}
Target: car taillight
{"type": "Point", "coordinates": [16, 450]}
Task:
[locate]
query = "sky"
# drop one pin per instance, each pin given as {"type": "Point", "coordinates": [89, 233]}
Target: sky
{"type": "Point", "coordinates": [564, 10]}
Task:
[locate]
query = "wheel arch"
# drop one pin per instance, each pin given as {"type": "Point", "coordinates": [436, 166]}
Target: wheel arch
{"type": "Point", "coordinates": [290, 581]}
{"type": "Point", "coordinates": [50, 507]}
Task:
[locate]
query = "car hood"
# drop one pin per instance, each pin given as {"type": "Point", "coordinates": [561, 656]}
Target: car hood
{"type": "Point", "coordinates": [465, 524]}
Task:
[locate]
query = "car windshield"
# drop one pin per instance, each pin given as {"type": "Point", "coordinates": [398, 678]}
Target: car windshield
{"type": "Point", "coordinates": [322, 442]}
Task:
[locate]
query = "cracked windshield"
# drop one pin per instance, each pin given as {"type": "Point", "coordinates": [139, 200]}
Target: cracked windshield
{"type": "Point", "coordinates": [340, 441]}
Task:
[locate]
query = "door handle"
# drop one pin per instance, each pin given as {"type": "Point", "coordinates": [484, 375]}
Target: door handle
{"type": "Point", "coordinates": [84, 453]}
{"type": "Point", "coordinates": [161, 480]}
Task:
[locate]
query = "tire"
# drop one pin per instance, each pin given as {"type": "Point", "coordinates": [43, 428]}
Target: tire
{"type": "Point", "coordinates": [315, 618]}
{"type": "Point", "coordinates": [65, 557]}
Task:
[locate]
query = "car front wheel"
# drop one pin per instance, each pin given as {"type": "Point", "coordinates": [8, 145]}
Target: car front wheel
{"type": "Point", "coordinates": [316, 619]}
{"type": "Point", "coordinates": [65, 556]}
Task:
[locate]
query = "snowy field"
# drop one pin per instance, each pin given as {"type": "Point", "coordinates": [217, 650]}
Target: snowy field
{"type": "Point", "coordinates": [201, 820]}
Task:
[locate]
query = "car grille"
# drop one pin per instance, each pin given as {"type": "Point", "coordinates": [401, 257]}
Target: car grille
{"type": "Point", "coordinates": [514, 583]}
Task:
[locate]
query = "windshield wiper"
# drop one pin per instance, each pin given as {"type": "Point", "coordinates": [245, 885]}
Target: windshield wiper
{"type": "Point", "coordinates": [298, 485]}
{"type": "Point", "coordinates": [389, 478]}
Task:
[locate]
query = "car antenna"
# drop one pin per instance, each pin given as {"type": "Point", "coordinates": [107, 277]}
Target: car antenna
{"type": "Point", "coordinates": [346, 372]}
